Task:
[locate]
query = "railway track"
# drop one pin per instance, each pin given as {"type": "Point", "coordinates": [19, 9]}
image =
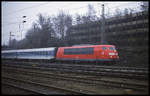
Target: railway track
{"type": "Point", "coordinates": [36, 87]}
{"type": "Point", "coordinates": [84, 70]}
{"type": "Point", "coordinates": [32, 92]}
{"type": "Point", "coordinates": [131, 69]}
{"type": "Point", "coordinates": [123, 85]}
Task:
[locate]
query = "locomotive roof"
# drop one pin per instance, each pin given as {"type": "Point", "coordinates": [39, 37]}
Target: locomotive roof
{"type": "Point", "coordinates": [88, 46]}
{"type": "Point", "coordinates": [29, 50]}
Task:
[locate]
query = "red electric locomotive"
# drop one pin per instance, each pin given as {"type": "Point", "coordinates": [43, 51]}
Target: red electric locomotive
{"type": "Point", "coordinates": [88, 53]}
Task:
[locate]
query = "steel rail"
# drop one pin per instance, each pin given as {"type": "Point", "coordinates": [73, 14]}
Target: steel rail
{"type": "Point", "coordinates": [84, 80]}
{"type": "Point", "coordinates": [22, 88]}
{"type": "Point", "coordinates": [45, 86]}
{"type": "Point", "coordinates": [122, 75]}
{"type": "Point", "coordinates": [83, 65]}
{"type": "Point", "coordinates": [85, 68]}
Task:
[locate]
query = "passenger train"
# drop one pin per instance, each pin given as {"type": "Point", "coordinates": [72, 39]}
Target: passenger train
{"type": "Point", "coordinates": [73, 53]}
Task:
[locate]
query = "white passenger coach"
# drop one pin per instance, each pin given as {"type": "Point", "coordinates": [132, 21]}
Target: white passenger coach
{"type": "Point", "coordinates": [38, 53]}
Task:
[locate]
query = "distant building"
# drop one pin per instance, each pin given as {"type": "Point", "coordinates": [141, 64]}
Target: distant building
{"type": "Point", "coordinates": [118, 30]}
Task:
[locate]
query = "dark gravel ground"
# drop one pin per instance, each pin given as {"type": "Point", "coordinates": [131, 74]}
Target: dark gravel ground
{"type": "Point", "coordinates": [9, 90]}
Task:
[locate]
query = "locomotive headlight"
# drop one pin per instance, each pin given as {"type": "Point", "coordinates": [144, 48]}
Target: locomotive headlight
{"type": "Point", "coordinates": [110, 56]}
{"type": "Point", "coordinates": [111, 53]}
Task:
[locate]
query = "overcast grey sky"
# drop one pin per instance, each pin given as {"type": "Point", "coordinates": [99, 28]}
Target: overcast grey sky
{"type": "Point", "coordinates": [12, 13]}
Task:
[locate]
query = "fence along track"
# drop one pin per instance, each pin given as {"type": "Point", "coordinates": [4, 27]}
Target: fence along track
{"type": "Point", "coordinates": [84, 80]}
{"type": "Point", "coordinates": [38, 89]}
{"type": "Point", "coordinates": [87, 71]}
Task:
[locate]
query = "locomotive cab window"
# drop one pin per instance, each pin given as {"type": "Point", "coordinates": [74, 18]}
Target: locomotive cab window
{"type": "Point", "coordinates": [111, 48]}
{"type": "Point", "coordinates": [104, 48]}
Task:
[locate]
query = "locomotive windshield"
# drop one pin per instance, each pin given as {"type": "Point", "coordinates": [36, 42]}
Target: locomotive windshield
{"type": "Point", "coordinates": [111, 48]}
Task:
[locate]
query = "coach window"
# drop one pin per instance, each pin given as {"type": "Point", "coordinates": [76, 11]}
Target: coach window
{"type": "Point", "coordinates": [104, 48]}
{"type": "Point", "coordinates": [50, 52]}
{"type": "Point", "coordinates": [43, 52]}
{"type": "Point", "coordinates": [32, 53]}
{"type": "Point", "coordinates": [46, 52]}
{"type": "Point", "coordinates": [26, 53]}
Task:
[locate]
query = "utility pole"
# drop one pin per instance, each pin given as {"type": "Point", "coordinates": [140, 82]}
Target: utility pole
{"type": "Point", "coordinates": [103, 26]}
{"type": "Point", "coordinates": [10, 38]}
{"type": "Point", "coordinates": [20, 31]}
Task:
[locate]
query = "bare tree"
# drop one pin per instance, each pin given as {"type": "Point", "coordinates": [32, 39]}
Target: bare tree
{"type": "Point", "coordinates": [126, 11]}
{"type": "Point", "coordinates": [118, 12]}
{"type": "Point", "coordinates": [144, 6]}
{"type": "Point", "coordinates": [61, 24]}
{"type": "Point", "coordinates": [91, 14]}
{"type": "Point", "coordinates": [78, 19]}
{"type": "Point", "coordinates": [13, 44]}
{"type": "Point", "coordinates": [41, 32]}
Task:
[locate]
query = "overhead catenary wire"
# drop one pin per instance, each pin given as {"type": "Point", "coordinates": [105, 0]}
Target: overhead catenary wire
{"type": "Point", "coordinates": [33, 7]}
{"type": "Point", "coordinates": [69, 9]}
{"type": "Point", "coordinates": [112, 14]}
{"type": "Point", "coordinates": [31, 15]}
{"type": "Point", "coordinates": [4, 25]}
{"type": "Point", "coordinates": [65, 7]}
{"type": "Point", "coordinates": [26, 8]}
{"type": "Point", "coordinates": [108, 14]}
{"type": "Point", "coordinates": [75, 9]}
